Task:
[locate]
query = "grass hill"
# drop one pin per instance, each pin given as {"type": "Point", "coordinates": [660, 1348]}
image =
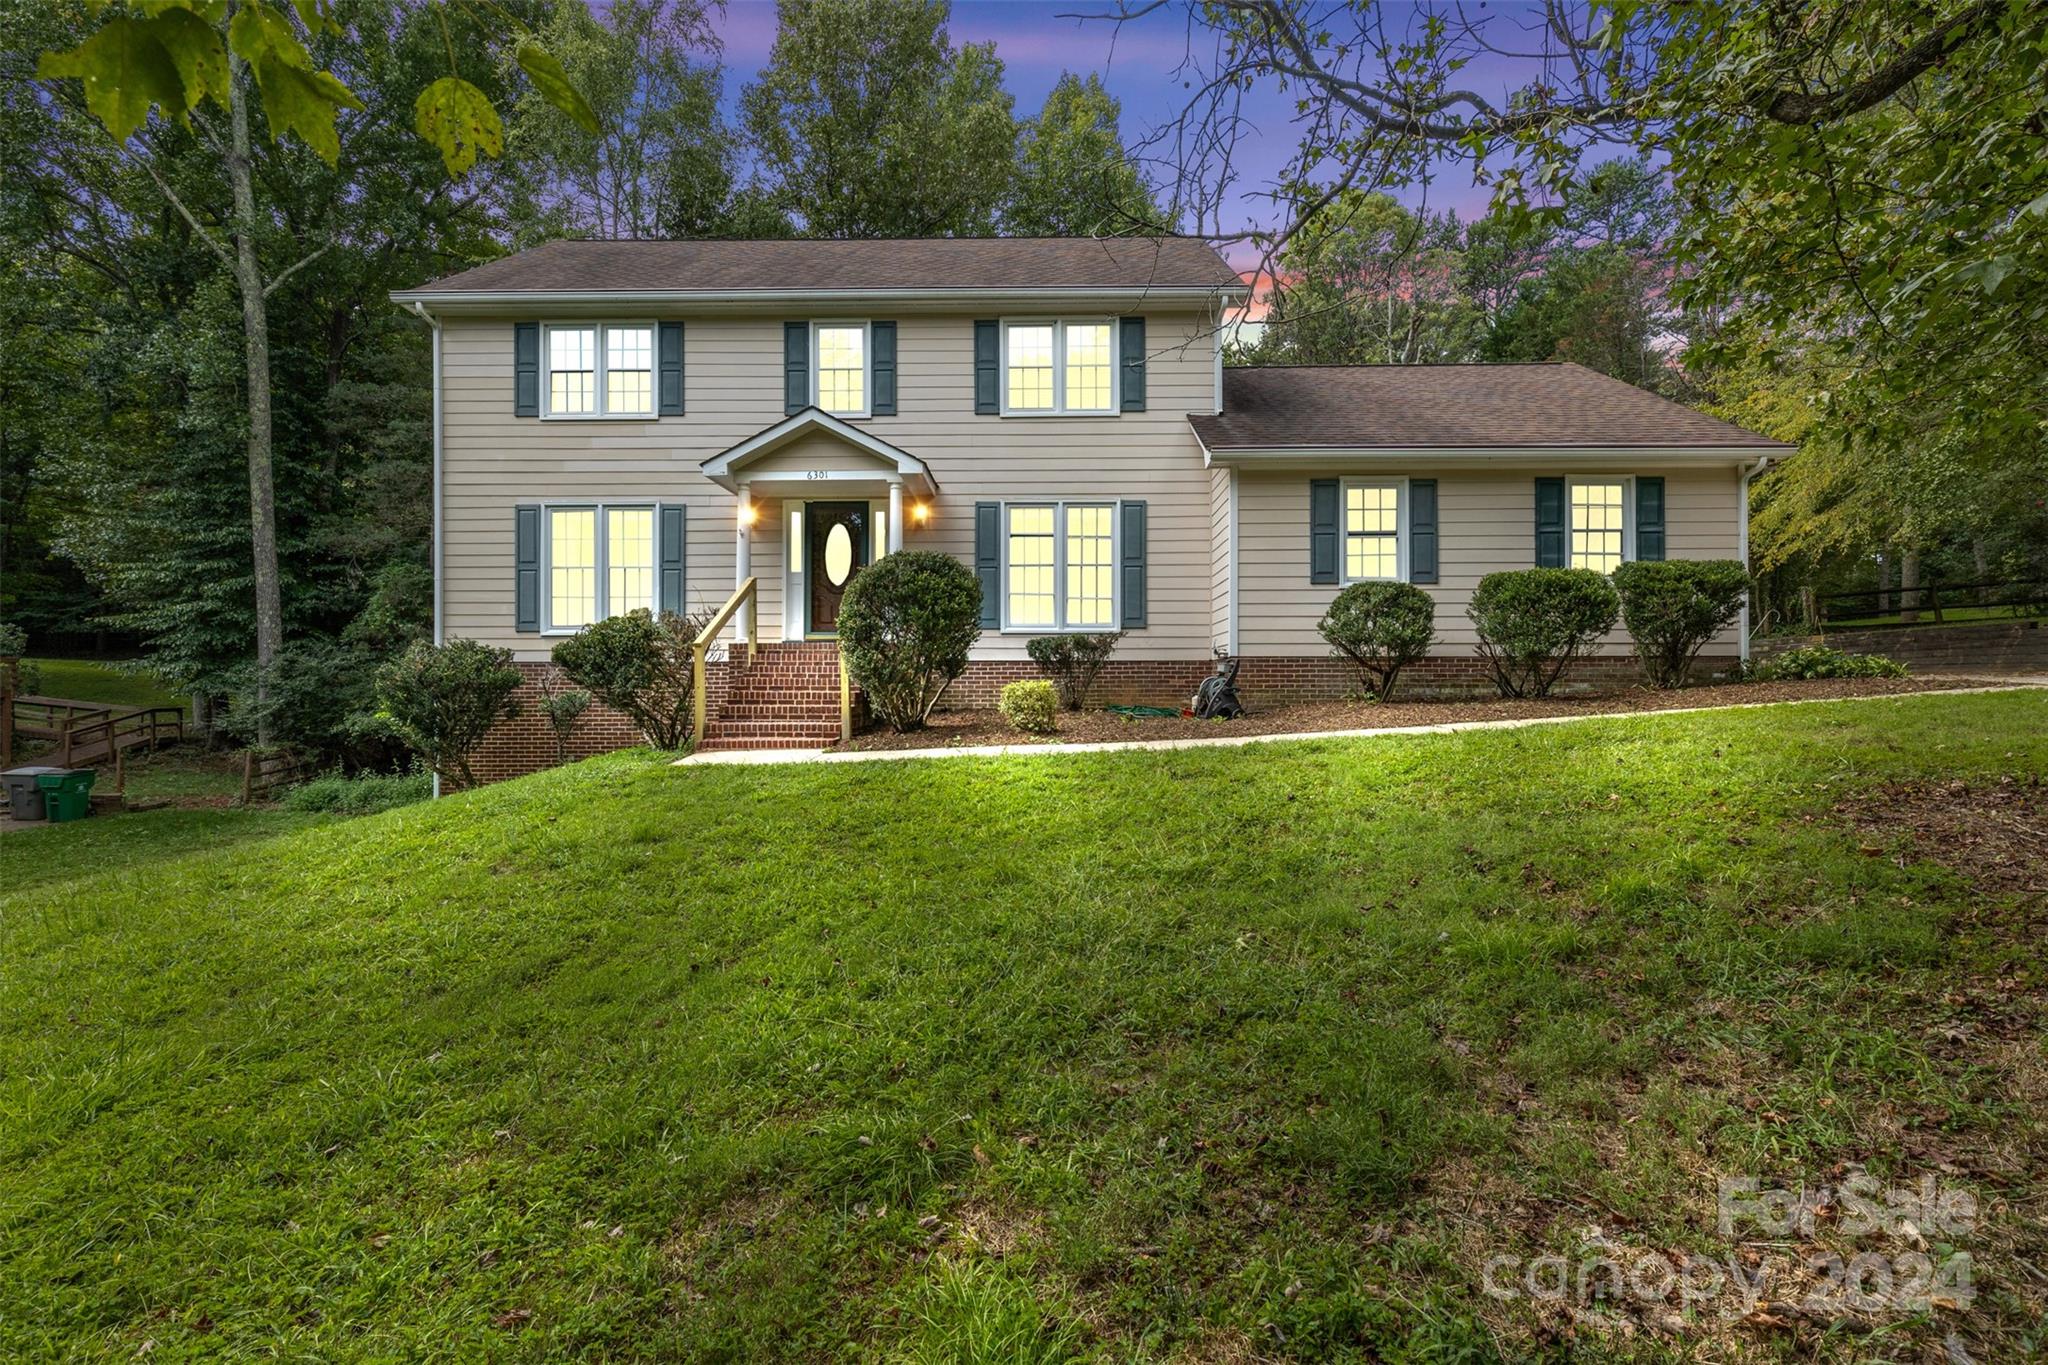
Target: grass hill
{"type": "Point", "coordinates": [1210, 1055]}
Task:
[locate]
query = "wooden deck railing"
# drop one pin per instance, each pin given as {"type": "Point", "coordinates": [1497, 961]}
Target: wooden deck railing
{"type": "Point", "coordinates": [699, 688]}
{"type": "Point", "coordinates": [90, 732]}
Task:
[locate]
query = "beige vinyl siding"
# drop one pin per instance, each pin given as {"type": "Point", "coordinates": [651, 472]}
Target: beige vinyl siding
{"type": "Point", "coordinates": [1485, 522]}
{"type": "Point", "coordinates": [494, 461]}
{"type": "Point", "coordinates": [1222, 579]}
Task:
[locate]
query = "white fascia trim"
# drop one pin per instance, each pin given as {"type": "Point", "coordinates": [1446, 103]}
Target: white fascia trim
{"type": "Point", "coordinates": [1546, 456]}
{"type": "Point", "coordinates": [1123, 298]}
{"type": "Point", "coordinates": [906, 465]}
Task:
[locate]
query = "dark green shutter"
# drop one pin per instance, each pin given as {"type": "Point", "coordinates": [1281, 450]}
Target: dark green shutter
{"type": "Point", "coordinates": [796, 366]}
{"type": "Point", "coordinates": [1133, 556]}
{"type": "Point", "coordinates": [1422, 530]}
{"type": "Point", "coordinates": [1650, 518]}
{"type": "Point", "coordinates": [988, 365]}
{"type": "Point", "coordinates": [674, 519]}
{"type": "Point", "coordinates": [1324, 537]}
{"type": "Point", "coordinates": [988, 561]}
{"type": "Point", "coordinates": [884, 342]}
{"type": "Point", "coordinates": [670, 359]}
{"type": "Point", "coordinates": [1133, 341]}
{"type": "Point", "coordinates": [526, 369]}
{"type": "Point", "coordinates": [526, 567]}
{"type": "Point", "coordinates": [1550, 517]}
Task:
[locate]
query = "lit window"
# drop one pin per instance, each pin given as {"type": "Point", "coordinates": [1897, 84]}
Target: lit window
{"type": "Point", "coordinates": [1059, 367]}
{"type": "Point", "coordinates": [601, 562]}
{"type": "Point", "coordinates": [843, 368]}
{"type": "Point", "coordinates": [1031, 370]}
{"type": "Point", "coordinates": [1060, 566]}
{"type": "Point", "coordinates": [600, 371]}
{"type": "Point", "coordinates": [1372, 530]}
{"type": "Point", "coordinates": [1598, 525]}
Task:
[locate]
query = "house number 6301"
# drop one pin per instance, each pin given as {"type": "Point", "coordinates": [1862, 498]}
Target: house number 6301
{"type": "Point", "coordinates": [816, 474]}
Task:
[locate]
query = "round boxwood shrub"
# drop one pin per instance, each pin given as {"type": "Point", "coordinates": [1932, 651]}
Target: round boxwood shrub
{"type": "Point", "coordinates": [1533, 622]}
{"type": "Point", "coordinates": [905, 626]}
{"type": "Point", "coordinates": [1381, 628]}
{"type": "Point", "coordinates": [443, 699]}
{"type": "Point", "coordinates": [1030, 705]}
{"type": "Point", "coordinates": [1671, 608]}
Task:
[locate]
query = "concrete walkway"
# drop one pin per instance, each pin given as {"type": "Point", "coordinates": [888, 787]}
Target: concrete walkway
{"type": "Point", "coordinates": [728, 758]}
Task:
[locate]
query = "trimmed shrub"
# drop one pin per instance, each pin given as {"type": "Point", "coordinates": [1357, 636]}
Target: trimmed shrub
{"type": "Point", "coordinates": [1533, 623]}
{"type": "Point", "coordinates": [561, 706]}
{"type": "Point", "coordinates": [1381, 628]}
{"type": "Point", "coordinates": [905, 626]}
{"type": "Point", "coordinates": [443, 699]}
{"type": "Point", "coordinates": [1073, 662]}
{"type": "Point", "coordinates": [1030, 705]}
{"type": "Point", "coordinates": [1673, 607]}
{"type": "Point", "coordinates": [365, 794]}
{"type": "Point", "coordinates": [639, 664]}
{"type": "Point", "coordinates": [1824, 661]}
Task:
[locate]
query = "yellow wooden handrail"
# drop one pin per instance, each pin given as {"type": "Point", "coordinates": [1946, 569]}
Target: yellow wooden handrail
{"type": "Point", "coordinates": [701, 646]}
{"type": "Point", "coordinates": [845, 699]}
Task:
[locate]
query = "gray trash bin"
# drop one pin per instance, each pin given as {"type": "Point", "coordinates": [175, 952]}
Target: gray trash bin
{"type": "Point", "coordinates": [24, 801]}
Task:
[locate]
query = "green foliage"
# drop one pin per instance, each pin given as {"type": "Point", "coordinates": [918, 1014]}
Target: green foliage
{"type": "Point", "coordinates": [869, 122]}
{"type": "Point", "coordinates": [456, 117]}
{"type": "Point", "coordinates": [905, 626]}
{"type": "Point", "coordinates": [13, 641]}
{"type": "Point", "coordinates": [1030, 705]}
{"type": "Point", "coordinates": [442, 700]}
{"type": "Point", "coordinates": [642, 665]}
{"type": "Point", "coordinates": [1074, 176]}
{"type": "Point", "coordinates": [1672, 608]}
{"type": "Point", "coordinates": [561, 706]}
{"type": "Point", "coordinates": [1824, 661]}
{"type": "Point", "coordinates": [363, 794]}
{"type": "Point", "coordinates": [975, 1312]}
{"type": "Point", "coordinates": [1381, 628]}
{"type": "Point", "coordinates": [1073, 662]}
{"type": "Point", "coordinates": [1533, 623]}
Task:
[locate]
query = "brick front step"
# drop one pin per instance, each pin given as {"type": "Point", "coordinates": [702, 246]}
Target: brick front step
{"type": "Point", "coordinates": [786, 697]}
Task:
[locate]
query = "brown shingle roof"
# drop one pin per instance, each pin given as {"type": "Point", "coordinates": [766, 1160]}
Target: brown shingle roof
{"type": "Point", "coordinates": [1452, 406]}
{"type": "Point", "coordinates": [829, 265]}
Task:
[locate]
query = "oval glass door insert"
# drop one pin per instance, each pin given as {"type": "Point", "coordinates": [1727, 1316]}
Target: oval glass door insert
{"type": "Point", "coordinates": [838, 555]}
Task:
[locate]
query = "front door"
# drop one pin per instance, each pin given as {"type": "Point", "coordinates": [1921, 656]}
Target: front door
{"type": "Point", "coordinates": [835, 549]}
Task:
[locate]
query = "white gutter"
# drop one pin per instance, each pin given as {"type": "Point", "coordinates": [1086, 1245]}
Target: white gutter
{"type": "Point", "coordinates": [1279, 457]}
{"type": "Point", "coordinates": [1742, 546]}
{"type": "Point", "coordinates": [1136, 295]}
{"type": "Point", "coordinates": [440, 589]}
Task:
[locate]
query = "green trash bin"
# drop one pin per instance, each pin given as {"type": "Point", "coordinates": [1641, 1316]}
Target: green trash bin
{"type": "Point", "coordinates": [66, 795]}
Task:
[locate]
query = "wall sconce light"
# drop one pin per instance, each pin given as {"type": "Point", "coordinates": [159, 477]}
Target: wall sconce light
{"type": "Point", "coordinates": [749, 514]}
{"type": "Point", "coordinates": [920, 512]}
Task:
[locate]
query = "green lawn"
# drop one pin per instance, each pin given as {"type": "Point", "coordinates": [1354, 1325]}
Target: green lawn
{"type": "Point", "coordinates": [85, 680]}
{"type": "Point", "coordinates": [1235, 1054]}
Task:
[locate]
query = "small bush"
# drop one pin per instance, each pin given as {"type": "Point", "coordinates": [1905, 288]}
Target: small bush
{"type": "Point", "coordinates": [906, 625]}
{"type": "Point", "coordinates": [639, 664]}
{"type": "Point", "coordinates": [362, 795]}
{"type": "Point", "coordinates": [1381, 628]}
{"type": "Point", "coordinates": [1030, 705]}
{"type": "Point", "coordinates": [1671, 608]}
{"type": "Point", "coordinates": [561, 706]}
{"type": "Point", "coordinates": [1824, 661]}
{"type": "Point", "coordinates": [28, 676]}
{"type": "Point", "coordinates": [1073, 662]}
{"type": "Point", "coordinates": [443, 699]}
{"type": "Point", "coordinates": [1533, 623]}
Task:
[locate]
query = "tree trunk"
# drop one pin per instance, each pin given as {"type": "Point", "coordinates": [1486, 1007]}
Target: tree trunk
{"type": "Point", "coordinates": [1980, 561]}
{"type": "Point", "coordinates": [256, 333]}
{"type": "Point", "coordinates": [1884, 582]}
{"type": "Point", "coordinates": [1909, 585]}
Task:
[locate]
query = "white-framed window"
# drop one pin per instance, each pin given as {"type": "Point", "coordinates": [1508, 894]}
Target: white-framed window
{"type": "Point", "coordinates": [599, 369]}
{"type": "Point", "coordinates": [842, 367]}
{"type": "Point", "coordinates": [1375, 530]}
{"type": "Point", "coordinates": [1059, 566]}
{"type": "Point", "coordinates": [1059, 366]}
{"type": "Point", "coordinates": [1600, 525]}
{"type": "Point", "coordinates": [600, 562]}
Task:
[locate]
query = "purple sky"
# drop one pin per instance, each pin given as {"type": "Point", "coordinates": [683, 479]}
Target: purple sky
{"type": "Point", "coordinates": [1136, 64]}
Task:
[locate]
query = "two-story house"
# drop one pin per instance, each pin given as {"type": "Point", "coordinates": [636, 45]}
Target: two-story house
{"type": "Point", "coordinates": [624, 424]}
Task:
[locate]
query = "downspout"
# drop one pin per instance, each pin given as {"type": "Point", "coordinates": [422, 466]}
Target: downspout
{"type": "Point", "coordinates": [439, 590]}
{"type": "Point", "coordinates": [1742, 542]}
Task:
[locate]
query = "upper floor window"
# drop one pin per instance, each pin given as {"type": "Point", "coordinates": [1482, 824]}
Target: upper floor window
{"type": "Point", "coordinates": [1599, 510]}
{"type": "Point", "coordinates": [600, 370]}
{"type": "Point", "coordinates": [1060, 566]}
{"type": "Point", "coordinates": [841, 360]}
{"type": "Point", "coordinates": [600, 563]}
{"type": "Point", "coordinates": [1062, 366]}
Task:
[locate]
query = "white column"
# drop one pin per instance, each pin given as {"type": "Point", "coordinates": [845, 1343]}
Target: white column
{"type": "Point", "coordinates": [743, 557]}
{"type": "Point", "coordinates": [895, 516]}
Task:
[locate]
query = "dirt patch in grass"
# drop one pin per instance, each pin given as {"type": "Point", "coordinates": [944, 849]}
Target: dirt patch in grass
{"type": "Point", "coordinates": [951, 729]}
{"type": "Point", "coordinates": [1993, 835]}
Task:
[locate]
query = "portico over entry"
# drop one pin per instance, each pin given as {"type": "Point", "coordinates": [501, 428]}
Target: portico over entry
{"type": "Point", "coordinates": [842, 495]}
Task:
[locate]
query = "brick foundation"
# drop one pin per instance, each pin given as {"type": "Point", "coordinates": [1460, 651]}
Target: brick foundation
{"type": "Point", "coordinates": [527, 746]}
{"type": "Point", "coordinates": [1987, 647]}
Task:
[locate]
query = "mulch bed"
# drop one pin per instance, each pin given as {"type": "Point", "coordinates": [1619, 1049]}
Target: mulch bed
{"type": "Point", "coordinates": [952, 729]}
